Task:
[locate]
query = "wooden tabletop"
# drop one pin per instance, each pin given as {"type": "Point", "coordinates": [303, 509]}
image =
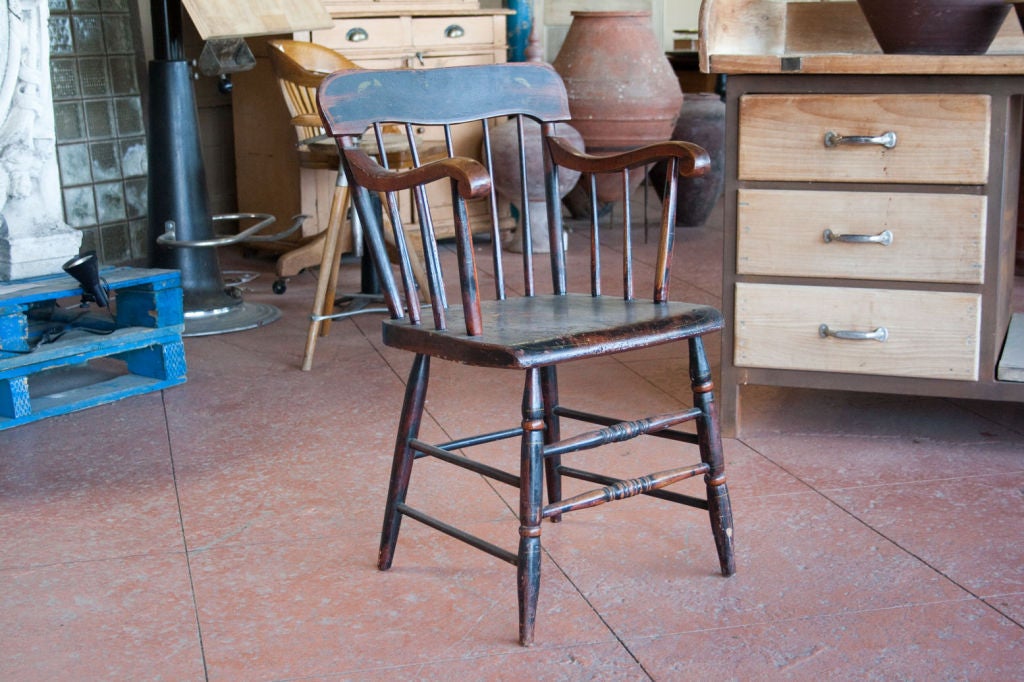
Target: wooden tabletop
{"type": "Point", "coordinates": [881, 64]}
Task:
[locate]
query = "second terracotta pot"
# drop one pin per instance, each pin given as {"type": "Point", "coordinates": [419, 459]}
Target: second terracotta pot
{"type": "Point", "coordinates": [701, 121]}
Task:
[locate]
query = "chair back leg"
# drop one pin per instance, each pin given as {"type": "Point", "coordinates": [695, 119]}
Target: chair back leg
{"type": "Point", "coordinates": [709, 441]}
{"type": "Point", "coordinates": [552, 434]}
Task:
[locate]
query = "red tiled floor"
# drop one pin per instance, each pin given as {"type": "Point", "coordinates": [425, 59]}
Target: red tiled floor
{"type": "Point", "coordinates": [126, 618]}
{"type": "Point", "coordinates": [227, 529]}
{"type": "Point", "coordinates": [945, 641]}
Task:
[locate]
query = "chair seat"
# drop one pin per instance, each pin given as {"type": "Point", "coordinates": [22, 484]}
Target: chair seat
{"type": "Point", "coordinates": [320, 156]}
{"type": "Point", "coordinates": [536, 331]}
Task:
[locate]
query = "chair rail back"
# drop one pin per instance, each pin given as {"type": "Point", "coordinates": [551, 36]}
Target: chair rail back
{"type": "Point", "coordinates": [356, 105]}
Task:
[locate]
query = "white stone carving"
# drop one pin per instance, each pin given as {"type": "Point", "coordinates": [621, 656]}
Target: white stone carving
{"type": "Point", "coordinates": [34, 240]}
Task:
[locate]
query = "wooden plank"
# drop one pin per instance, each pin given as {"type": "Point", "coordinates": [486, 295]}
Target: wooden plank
{"type": "Point", "coordinates": [1011, 364]}
{"type": "Point", "coordinates": [241, 18]}
{"type": "Point", "coordinates": [78, 346]}
{"type": "Point", "coordinates": [49, 287]}
{"type": "Point", "coordinates": [828, 27]}
{"type": "Point", "coordinates": [740, 27]}
{"type": "Point", "coordinates": [91, 395]}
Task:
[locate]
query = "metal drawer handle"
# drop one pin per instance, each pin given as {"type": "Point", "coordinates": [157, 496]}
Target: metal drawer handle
{"type": "Point", "coordinates": [357, 35]}
{"type": "Point", "coordinates": [883, 238]}
{"type": "Point", "coordinates": [834, 139]}
{"type": "Point", "coordinates": [454, 31]}
{"type": "Point", "coordinates": [881, 334]}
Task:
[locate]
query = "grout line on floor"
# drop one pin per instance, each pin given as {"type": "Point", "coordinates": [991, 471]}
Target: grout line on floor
{"type": "Point", "coordinates": [1013, 619]}
{"type": "Point", "coordinates": [184, 539]}
{"type": "Point", "coordinates": [823, 494]}
{"type": "Point", "coordinates": [915, 555]}
{"type": "Point", "coordinates": [597, 612]}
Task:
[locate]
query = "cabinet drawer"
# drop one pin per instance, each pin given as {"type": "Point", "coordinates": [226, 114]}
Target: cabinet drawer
{"type": "Point", "coordinates": [930, 334]}
{"type": "Point", "coordinates": [805, 233]}
{"type": "Point", "coordinates": [453, 31]}
{"type": "Point", "coordinates": [939, 138]}
{"type": "Point", "coordinates": [351, 36]}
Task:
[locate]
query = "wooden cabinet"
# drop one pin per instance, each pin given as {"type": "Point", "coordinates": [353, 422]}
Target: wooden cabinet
{"type": "Point", "coordinates": [381, 34]}
{"type": "Point", "coordinates": [870, 209]}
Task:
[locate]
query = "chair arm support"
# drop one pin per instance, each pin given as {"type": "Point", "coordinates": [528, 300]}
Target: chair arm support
{"type": "Point", "coordinates": [693, 159]}
{"type": "Point", "coordinates": [469, 175]}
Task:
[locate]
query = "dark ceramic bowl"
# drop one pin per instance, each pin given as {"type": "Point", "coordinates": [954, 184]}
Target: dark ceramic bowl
{"type": "Point", "coordinates": [934, 26]}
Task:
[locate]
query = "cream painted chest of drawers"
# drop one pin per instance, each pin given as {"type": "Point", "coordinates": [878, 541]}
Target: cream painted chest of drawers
{"type": "Point", "coordinates": [373, 34]}
{"type": "Point", "coordinates": [870, 215]}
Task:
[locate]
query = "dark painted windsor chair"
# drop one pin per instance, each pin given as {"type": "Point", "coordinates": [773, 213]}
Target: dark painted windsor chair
{"type": "Point", "coordinates": [532, 331]}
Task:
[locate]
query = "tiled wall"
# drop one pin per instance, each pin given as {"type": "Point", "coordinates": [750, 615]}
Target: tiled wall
{"type": "Point", "coordinates": [101, 134]}
{"type": "Point", "coordinates": [98, 72]}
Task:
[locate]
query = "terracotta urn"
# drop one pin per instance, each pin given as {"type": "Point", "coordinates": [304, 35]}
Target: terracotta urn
{"type": "Point", "coordinates": [504, 149]}
{"type": "Point", "coordinates": [701, 121]}
{"type": "Point", "coordinates": [934, 26]}
{"type": "Point", "coordinates": [622, 90]}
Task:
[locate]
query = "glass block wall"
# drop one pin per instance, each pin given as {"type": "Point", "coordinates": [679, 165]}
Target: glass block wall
{"type": "Point", "coordinates": [101, 134]}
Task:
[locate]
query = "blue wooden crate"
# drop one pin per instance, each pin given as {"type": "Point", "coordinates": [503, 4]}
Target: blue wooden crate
{"type": "Point", "coordinates": [98, 357]}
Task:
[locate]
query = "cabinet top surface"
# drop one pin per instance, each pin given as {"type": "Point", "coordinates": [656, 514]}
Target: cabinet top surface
{"type": "Point", "coordinates": [869, 64]}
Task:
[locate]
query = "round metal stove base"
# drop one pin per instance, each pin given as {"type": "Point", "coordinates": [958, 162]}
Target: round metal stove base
{"type": "Point", "coordinates": [235, 319]}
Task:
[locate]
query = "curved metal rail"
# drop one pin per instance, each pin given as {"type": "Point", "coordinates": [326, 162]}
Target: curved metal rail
{"type": "Point", "coordinates": [250, 234]}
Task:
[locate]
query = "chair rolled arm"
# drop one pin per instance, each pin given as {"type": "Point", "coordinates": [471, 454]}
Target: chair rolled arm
{"type": "Point", "coordinates": [693, 159]}
{"type": "Point", "coordinates": [469, 175]}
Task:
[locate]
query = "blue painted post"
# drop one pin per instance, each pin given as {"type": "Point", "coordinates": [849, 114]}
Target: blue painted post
{"type": "Point", "coordinates": [518, 27]}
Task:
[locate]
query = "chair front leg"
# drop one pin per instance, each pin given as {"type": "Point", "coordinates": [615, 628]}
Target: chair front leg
{"type": "Point", "coordinates": [531, 492]}
{"type": "Point", "coordinates": [710, 442]}
{"type": "Point", "coordinates": [401, 466]}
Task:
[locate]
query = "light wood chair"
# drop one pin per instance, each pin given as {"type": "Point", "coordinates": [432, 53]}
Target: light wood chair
{"type": "Point", "coordinates": [529, 325]}
{"type": "Point", "coordinates": [300, 67]}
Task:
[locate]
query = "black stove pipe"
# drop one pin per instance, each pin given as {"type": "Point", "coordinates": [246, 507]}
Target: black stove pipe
{"type": "Point", "coordinates": [177, 176]}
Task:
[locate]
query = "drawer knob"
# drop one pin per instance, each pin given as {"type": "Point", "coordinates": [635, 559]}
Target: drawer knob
{"type": "Point", "coordinates": [357, 35]}
{"type": "Point", "coordinates": [883, 238]}
{"type": "Point", "coordinates": [454, 31]}
{"type": "Point", "coordinates": [834, 139]}
{"type": "Point", "coordinates": [881, 334]}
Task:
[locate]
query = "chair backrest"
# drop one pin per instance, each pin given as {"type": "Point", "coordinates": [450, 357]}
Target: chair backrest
{"type": "Point", "coordinates": [354, 104]}
{"type": "Point", "coordinates": [300, 67]}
